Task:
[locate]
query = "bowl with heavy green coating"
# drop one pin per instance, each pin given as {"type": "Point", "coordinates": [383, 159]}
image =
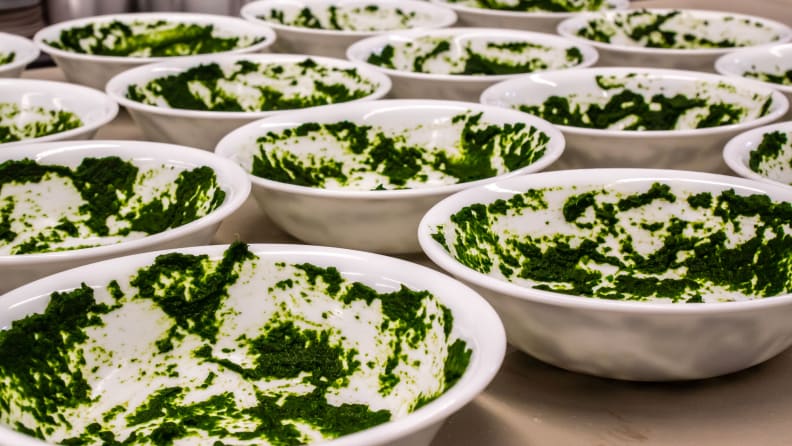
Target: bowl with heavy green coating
{"type": "Point", "coordinates": [642, 117]}
{"type": "Point", "coordinates": [197, 101]}
{"type": "Point", "coordinates": [529, 15]}
{"type": "Point", "coordinates": [91, 50]}
{"type": "Point", "coordinates": [328, 27]}
{"type": "Point", "coordinates": [764, 153]}
{"type": "Point", "coordinates": [65, 204]}
{"type": "Point", "coordinates": [16, 52]}
{"type": "Point", "coordinates": [361, 176]}
{"type": "Point", "coordinates": [688, 39]}
{"type": "Point", "coordinates": [243, 344]}
{"type": "Point", "coordinates": [459, 63]}
{"type": "Point", "coordinates": [636, 274]}
{"type": "Point", "coordinates": [38, 111]}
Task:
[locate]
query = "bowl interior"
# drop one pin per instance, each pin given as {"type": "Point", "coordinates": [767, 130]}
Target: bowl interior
{"type": "Point", "coordinates": [769, 64]}
{"type": "Point", "coordinates": [763, 153]}
{"type": "Point", "coordinates": [529, 8]}
{"type": "Point", "coordinates": [182, 346]}
{"type": "Point", "coordinates": [15, 50]}
{"type": "Point", "coordinates": [670, 237]}
{"type": "Point", "coordinates": [471, 52]}
{"type": "Point", "coordinates": [626, 99]}
{"type": "Point", "coordinates": [676, 29]}
{"type": "Point", "coordinates": [393, 145]}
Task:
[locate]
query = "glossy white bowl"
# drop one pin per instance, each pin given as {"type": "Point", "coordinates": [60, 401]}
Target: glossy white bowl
{"type": "Point", "coordinates": [771, 162]}
{"type": "Point", "coordinates": [334, 42]}
{"type": "Point", "coordinates": [751, 63]}
{"type": "Point", "coordinates": [93, 107]}
{"type": "Point", "coordinates": [652, 340]}
{"type": "Point", "coordinates": [438, 83]}
{"type": "Point", "coordinates": [96, 70]}
{"type": "Point", "coordinates": [355, 216]}
{"type": "Point", "coordinates": [17, 269]}
{"type": "Point", "coordinates": [712, 25]}
{"type": "Point", "coordinates": [474, 322]}
{"type": "Point", "coordinates": [470, 14]}
{"type": "Point", "coordinates": [25, 51]}
{"type": "Point", "coordinates": [684, 147]}
{"type": "Point", "coordinates": [203, 128]}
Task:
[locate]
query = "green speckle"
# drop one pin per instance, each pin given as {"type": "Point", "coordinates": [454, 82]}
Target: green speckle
{"type": "Point", "coordinates": [38, 122]}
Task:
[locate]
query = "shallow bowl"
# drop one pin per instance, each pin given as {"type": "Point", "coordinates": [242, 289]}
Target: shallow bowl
{"type": "Point", "coordinates": [509, 16]}
{"type": "Point", "coordinates": [764, 153]}
{"type": "Point", "coordinates": [198, 113]}
{"type": "Point", "coordinates": [312, 183]}
{"type": "Point", "coordinates": [328, 27]}
{"type": "Point", "coordinates": [686, 38]}
{"type": "Point", "coordinates": [633, 117]}
{"type": "Point", "coordinates": [636, 274]}
{"type": "Point", "coordinates": [351, 346]}
{"type": "Point", "coordinates": [459, 63]}
{"type": "Point", "coordinates": [16, 52]}
{"type": "Point", "coordinates": [94, 67]}
{"type": "Point", "coordinates": [105, 200]}
{"type": "Point", "coordinates": [38, 111]}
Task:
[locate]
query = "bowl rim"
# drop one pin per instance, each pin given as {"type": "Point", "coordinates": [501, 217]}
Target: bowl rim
{"type": "Point", "coordinates": [590, 54]}
{"type": "Point", "coordinates": [228, 146]}
{"type": "Point", "coordinates": [442, 17]}
{"type": "Point", "coordinates": [21, 44]}
{"type": "Point", "coordinates": [233, 23]}
{"type": "Point", "coordinates": [737, 150]}
{"type": "Point", "coordinates": [439, 213]}
{"type": "Point", "coordinates": [236, 186]}
{"type": "Point", "coordinates": [487, 334]}
{"type": "Point", "coordinates": [725, 63]}
{"type": "Point", "coordinates": [568, 28]}
{"type": "Point", "coordinates": [494, 93]}
{"type": "Point", "coordinates": [51, 88]}
{"type": "Point", "coordinates": [472, 10]}
{"type": "Point", "coordinates": [117, 85]}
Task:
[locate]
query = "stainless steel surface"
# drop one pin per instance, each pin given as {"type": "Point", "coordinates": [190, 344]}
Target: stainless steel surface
{"type": "Point", "coordinates": [61, 10]}
{"type": "Point", "coordinates": [227, 7]}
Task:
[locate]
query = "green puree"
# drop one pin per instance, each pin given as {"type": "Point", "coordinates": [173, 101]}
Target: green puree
{"type": "Point", "coordinates": [535, 5]}
{"type": "Point", "coordinates": [776, 78]}
{"type": "Point", "coordinates": [147, 39]}
{"type": "Point", "coordinates": [193, 294]}
{"type": "Point", "coordinates": [396, 161]}
{"type": "Point", "coordinates": [344, 19]}
{"type": "Point", "coordinates": [719, 244]}
{"type": "Point", "coordinates": [107, 189]}
{"type": "Point", "coordinates": [208, 87]}
{"type": "Point", "coordinates": [44, 122]}
{"type": "Point", "coordinates": [772, 154]}
{"type": "Point", "coordinates": [7, 58]}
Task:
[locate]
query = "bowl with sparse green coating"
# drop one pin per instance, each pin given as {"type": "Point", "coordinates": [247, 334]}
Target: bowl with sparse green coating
{"type": "Point", "coordinates": [688, 39]}
{"type": "Point", "coordinates": [636, 274]}
{"type": "Point", "coordinates": [16, 52]}
{"type": "Point", "coordinates": [243, 344]}
{"type": "Point", "coordinates": [91, 50]}
{"type": "Point", "coordinates": [529, 15]}
{"type": "Point", "coordinates": [38, 111]}
{"type": "Point", "coordinates": [65, 204]}
{"type": "Point", "coordinates": [328, 27]}
{"type": "Point", "coordinates": [642, 117]}
{"type": "Point", "coordinates": [197, 101]}
{"type": "Point", "coordinates": [764, 153]}
{"type": "Point", "coordinates": [361, 176]}
{"type": "Point", "coordinates": [459, 63]}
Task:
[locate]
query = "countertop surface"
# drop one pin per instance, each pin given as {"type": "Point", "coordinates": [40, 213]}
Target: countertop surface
{"type": "Point", "coordinates": [530, 403]}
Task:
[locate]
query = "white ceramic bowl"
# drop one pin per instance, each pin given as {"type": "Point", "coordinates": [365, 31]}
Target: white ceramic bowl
{"type": "Point", "coordinates": [349, 213]}
{"type": "Point", "coordinates": [203, 128]}
{"type": "Point", "coordinates": [569, 250]}
{"type": "Point", "coordinates": [762, 154]}
{"type": "Point", "coordinates": [713, 34]}
{"type": "Point", "coordinates": [57, 197]}
{"type": "Point", "coordinates": [317, 34]}
{"type": "Point", "coordinates": [682, 147]}
{"type": "Point", "coordinates": [318, 326]}
{"type": "Point", "coordinates": [769, 64]}
{"type": "Point", "coordinates": [466, 51]}
{"type": "Point", "coordinates": [95, 70]}
{"type": "Point", "coordinates": [63, 111]}
{"type": "Point", "coordinates": [24, 51]}
{"type": "Point", "coordinates": [474, 13]}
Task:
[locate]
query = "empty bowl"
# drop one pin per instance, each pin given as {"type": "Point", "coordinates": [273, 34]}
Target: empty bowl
{"type": "Point", "coordinates": [16, 52]}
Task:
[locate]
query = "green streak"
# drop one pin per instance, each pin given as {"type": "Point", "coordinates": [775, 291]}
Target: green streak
{"type": "Point", "coordinates": [47, 122]}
